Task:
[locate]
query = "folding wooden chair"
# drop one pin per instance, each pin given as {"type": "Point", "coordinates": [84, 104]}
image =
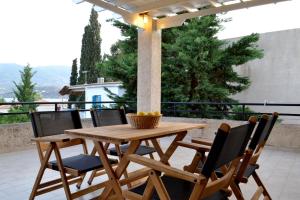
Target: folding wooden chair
{"type": "Point", "coordinates": [48, 128]}
{"type": "Point", "coordinates": [166, 182]}
{"type": "Point", "coordinates": [109, 117]}
{"type": "Point", "coordinates": [248, 165]}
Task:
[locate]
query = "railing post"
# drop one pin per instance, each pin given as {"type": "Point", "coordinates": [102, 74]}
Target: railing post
{"type": "Point", "coordinates": [55, 107]}
{"type": "Point", "coordinates": [244, 114]}
{"type": "Point", "coordinates": [174, 109]}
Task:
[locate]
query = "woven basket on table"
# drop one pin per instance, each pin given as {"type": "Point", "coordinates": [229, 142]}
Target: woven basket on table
{"type": "Point", "coordinates": [143, 122]}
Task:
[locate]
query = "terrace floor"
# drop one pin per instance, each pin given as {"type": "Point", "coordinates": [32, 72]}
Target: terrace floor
{"type": "Point", "coordinates": [280, 171]}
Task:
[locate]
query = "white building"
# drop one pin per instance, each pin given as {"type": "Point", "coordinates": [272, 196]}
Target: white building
{"type": "Point", "coordinates": [95, 92]}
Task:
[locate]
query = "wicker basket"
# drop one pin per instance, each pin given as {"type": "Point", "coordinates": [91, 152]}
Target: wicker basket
{"type": "Point", "coordinates": [143, 122]}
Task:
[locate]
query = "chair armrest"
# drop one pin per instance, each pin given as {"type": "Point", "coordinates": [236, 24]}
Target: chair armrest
{"type": "Point", "coordinates": [159, 166]}
{"type": "Point", "coordinates": [54, 138]}
{"type": "Point", "coordinates": [203, 141]}
{"type": "Point", "coordinates": [197, 147]}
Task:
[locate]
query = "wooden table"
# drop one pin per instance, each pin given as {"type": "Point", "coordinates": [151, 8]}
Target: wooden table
{"type": "Point", "coordinates": [119, 134]}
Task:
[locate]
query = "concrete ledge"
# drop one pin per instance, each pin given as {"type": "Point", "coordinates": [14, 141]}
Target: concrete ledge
{"type": "Point", "coordinates": [283, 135]}
{"type": "Point", "coordinates": [15, 137]}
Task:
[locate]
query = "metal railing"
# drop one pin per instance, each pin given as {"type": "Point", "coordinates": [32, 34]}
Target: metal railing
{"type": "Point", "coordinates": [176, 109]}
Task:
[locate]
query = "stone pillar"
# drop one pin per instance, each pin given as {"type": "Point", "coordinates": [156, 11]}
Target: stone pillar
{"type": "Point", "coordinates": [149, 68]}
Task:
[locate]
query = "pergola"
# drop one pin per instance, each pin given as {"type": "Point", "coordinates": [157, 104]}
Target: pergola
{"type": "Point", "coordinates": [151, 16]}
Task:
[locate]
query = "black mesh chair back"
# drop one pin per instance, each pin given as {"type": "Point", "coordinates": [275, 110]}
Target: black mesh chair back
{"type": "Point", "coordinates": [54, 123]}
{"type": "Point", "coordinates": [228, 146]}
{"type": "Point", "coordinates": [268, 128]}
{"type": "Point", "coordinates": [108, 117]}
{"type": "Point", "coordinates": [261, 127]}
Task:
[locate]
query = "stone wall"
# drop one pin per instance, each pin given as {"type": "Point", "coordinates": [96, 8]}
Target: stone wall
{"type": "Point", "coordinates": [15, 137]}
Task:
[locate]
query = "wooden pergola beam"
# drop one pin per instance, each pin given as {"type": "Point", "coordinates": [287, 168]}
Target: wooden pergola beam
{"type": "Point", "coordinates": [178, 20]}
{"type": "Point", "coordinates": [158, 5]}
{"type": "Point", "coordinates": [110, 7]}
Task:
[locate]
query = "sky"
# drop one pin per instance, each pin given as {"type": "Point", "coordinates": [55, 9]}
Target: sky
{"type": "Point", "coordinates": [49, 32]}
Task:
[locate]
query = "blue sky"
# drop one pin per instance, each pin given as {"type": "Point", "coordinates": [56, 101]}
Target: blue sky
{"type": "Point", "coordinates": [49, 32]}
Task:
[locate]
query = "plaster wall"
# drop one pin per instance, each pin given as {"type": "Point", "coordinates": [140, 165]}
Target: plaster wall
{"type": "Point", "coordinates": [275, 77]}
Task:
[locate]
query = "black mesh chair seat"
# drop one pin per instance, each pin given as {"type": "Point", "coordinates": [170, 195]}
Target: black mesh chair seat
{"type": "Point", "coordinates": [179, 189]}
{"type": "Point", "coordinates": [83, 163]}
{"type": "Point", "coordinates": [142, 150]}
{"type": "Point", "coordinates": [248, 172]}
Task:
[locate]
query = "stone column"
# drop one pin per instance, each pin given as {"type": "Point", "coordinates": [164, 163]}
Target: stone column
{"type": "Point", "coordinates": [149, 68]}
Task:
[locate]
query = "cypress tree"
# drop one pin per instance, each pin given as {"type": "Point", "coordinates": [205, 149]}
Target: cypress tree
{"type": "Point", "coordinates": [90, 50]}
{"type": "Point", "coordinates": [74, 73]}
{"type": "Point", "coordinates": [73, 80]}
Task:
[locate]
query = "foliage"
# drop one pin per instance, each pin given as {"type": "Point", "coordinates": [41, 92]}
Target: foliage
{"type": "Point", "coordinates": [239, 113]}
{"type": "Point", "coordinates": [17, 118]}
{"type": "Point", "coordinates": [122, 63]}
{"type": "Point", "coordinates": [90, 50]}
{"type": "Point", "coordinates": [74, 73]}
{"type": "Point", "coordinates": [25, 90]}
{"type": "Point", "coordinates": [196, 65]}
{"type": "Point", "coordinates": [73, 80]}
{"type": "Point", "coordinates": [2, 100]}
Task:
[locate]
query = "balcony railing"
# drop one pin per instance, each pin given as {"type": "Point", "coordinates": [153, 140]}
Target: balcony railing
{"type": "Point", "coordinates": [175, 109]}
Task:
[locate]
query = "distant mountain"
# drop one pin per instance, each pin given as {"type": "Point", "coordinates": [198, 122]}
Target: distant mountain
{"type": "Point", "coordinates": [49, 79]}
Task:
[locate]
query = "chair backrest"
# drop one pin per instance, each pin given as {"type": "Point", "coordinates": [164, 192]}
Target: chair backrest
{"type": "Point", "coordinates": [229, 144]}
{"type": "Point", "coordinates": [268, 128]}
{"type": "Point", "coordinates": [260, 141]}
{"type": "Point", "coordinates": [261, 127]}
{"type": "Point", "coordinates": [108, 117]}
{"type": "Point", "coordinates": [54, 123]}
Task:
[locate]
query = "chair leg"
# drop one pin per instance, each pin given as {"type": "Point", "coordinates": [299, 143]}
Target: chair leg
{"type": "Point", "coordinates": [79, 183]}
{"type": "Point", "coordinates": [62, 172]}
{"type": "Point", "coordinates": [193, 166]}
{"type": "Point", "coordinates": [148, 144]}
{"type": "Point", "coordinates": [41, 172]}
{"type": "Point", "coordinates": [93, 175]}
{"type": "Point", "coordinates": [159, 186]}
{"type": "Point", "coordinates": [236, 191]}
{"type": "Point", "coordinates": [260, 184]}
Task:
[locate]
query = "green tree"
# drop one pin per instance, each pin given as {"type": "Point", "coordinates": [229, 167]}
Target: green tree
{"type": "Point", "coordinates": [196, 65]}
{"type": "Point", "coordinates": [25, 90]}
{"type": "Point", "coordinates": [73, 80]}
{"type": "Point", "coordinates": [74, 73]}
{"type": "Point", "coordinates": [90, 50]}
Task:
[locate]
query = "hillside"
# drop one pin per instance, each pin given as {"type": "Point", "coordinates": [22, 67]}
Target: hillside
{"type": "Point", "coordinates": [48, 79]}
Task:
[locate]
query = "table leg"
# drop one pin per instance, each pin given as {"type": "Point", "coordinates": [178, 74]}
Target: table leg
{"type": "Point", "coordinates": [114, 176]}
{"type": "Point", "coordinates": [113, 181]}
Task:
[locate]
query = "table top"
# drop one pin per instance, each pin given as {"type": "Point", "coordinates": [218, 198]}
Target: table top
{"type": "Point", "coordinates": [125, 133]}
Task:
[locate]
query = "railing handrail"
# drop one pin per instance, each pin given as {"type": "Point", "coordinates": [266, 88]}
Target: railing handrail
{"type": "Point", "coordinates": [164, 102]}
{"type": "Point", "coordinates": [174, 109]}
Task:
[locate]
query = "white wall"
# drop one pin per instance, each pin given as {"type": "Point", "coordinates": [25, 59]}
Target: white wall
{"type": "Point", "coordinates": [91, 91]}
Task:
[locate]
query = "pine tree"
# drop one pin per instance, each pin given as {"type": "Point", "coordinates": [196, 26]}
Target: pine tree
{"type": "Point", "coordinates": [196, 65]}
{"type": "Point", "coordinates": [90, 50]}
{"type": "Point", "coordinates": [24, 91]}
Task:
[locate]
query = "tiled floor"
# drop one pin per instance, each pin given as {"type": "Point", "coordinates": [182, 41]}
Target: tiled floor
{"type": "Point", "coordinates": [280, 171]}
